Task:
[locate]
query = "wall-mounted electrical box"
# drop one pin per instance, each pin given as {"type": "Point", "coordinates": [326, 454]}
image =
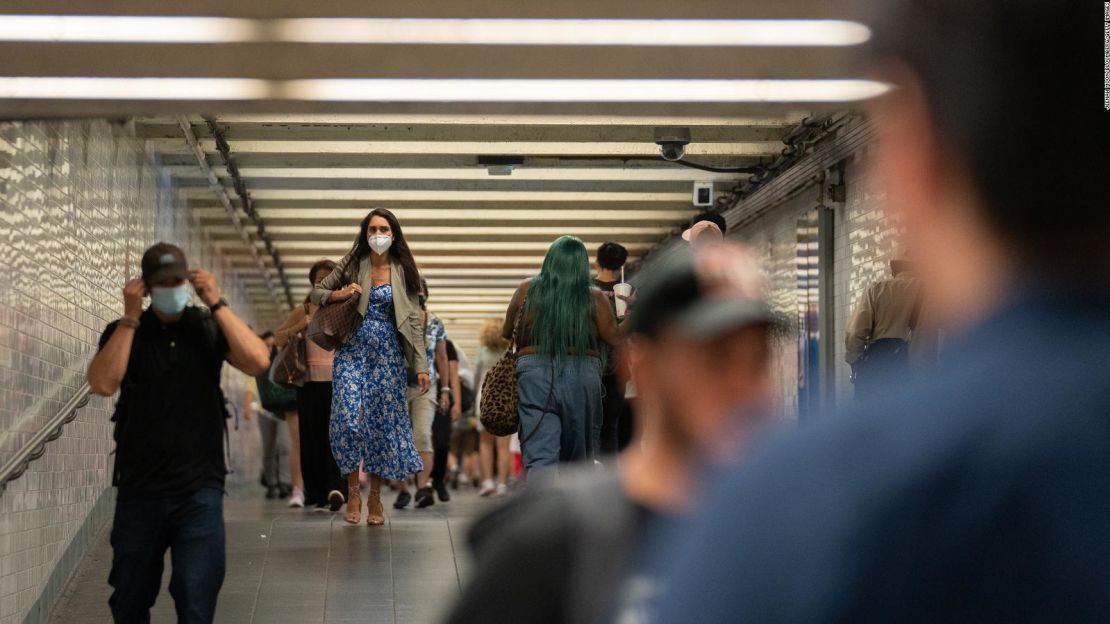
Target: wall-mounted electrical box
{"type": "Point", "coordinates": [703, 194]}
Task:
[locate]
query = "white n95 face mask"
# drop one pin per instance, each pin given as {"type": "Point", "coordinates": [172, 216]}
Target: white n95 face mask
{"type": "Point", "coordinates": [380, 243]}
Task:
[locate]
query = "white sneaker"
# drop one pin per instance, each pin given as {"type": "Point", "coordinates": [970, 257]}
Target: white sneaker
{"type": "Point", "coordinates": [487, 488]}
{"type": "Point", "coordinates": [502, 490]}
{"type": "Point", "coordinates": [297, 499]}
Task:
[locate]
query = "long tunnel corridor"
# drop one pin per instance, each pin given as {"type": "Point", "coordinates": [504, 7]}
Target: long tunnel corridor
{"type": "Point", "coordinates": [349, 387]}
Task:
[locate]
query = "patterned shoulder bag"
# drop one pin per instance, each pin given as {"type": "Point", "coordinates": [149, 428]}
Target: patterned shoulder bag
{"type": "Point", "coordinates": [499, 393]}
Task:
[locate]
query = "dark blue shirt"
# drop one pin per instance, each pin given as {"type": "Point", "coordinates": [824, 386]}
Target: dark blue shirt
{"type": "Point", "coordinates": [979, 494]}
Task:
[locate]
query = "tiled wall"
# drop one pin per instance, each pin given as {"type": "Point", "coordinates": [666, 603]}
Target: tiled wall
{"type": "Point", "coordinates": [79, 202]}
{"type": "Point", "coordinates": [863, 242]}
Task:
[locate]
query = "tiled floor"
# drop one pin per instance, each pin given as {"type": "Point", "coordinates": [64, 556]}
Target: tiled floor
{"type": "Point", "coordinates": [293, 566]}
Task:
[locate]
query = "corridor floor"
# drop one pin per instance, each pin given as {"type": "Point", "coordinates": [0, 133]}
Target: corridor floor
{"type": "Point", "coordinates": [288, 565]}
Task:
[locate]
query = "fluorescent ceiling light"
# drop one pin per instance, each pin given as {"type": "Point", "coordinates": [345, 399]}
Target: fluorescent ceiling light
{"type": "Point", "coordinates": [422, 31]}
{"type": "Point", "coordinates": [416, 232]}
{"type": "Point", "coordinates": [574, 32]}
{"type": "Point", "coordinates": [448, 90]}
{"type": "Point", "coordinates": [770, 121]}
{"type": "Point", "coordinates": [577, 90]}
{"type": "Point", "coordinates": [452, 195]}
{"type": "Point", "coordinates": [605, 174]}
{"type": "Point", "coordinates": [499, 216]}
{"type": "Point", "coordinates": [522, 148]}
{"type": "Point", "coordinates": [127, 29]}
{"type": "Point", "coordinates": [50, 88]}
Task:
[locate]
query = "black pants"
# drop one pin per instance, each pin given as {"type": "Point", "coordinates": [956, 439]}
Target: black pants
{"type": "Point", "coordinates": [191, 526]}
{"type": "Point", "coordinates": [441, 444]}
{"type": "Point", "coordinates": [885, 365]}
{"type": "Point", "coordinates": [616, 424]}
{"type": "Point", "coordinates": [318, 467]}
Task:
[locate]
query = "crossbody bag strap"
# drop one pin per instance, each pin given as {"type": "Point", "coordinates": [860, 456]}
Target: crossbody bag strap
{"type": "Point", "coordinates": [517, 322]}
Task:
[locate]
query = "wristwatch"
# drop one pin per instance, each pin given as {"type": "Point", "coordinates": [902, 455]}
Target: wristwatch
{"type": "Point", "coordinates": [128, 322]}
{"type": "Point", "coordinates": [219, 304]}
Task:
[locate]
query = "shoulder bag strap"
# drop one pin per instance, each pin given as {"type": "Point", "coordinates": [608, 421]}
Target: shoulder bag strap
{"type": "Point", "coordinates": [517, 323]}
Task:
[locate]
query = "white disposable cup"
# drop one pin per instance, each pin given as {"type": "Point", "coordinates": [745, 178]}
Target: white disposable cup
{"type": "Point", "coordinates": [625, 290]}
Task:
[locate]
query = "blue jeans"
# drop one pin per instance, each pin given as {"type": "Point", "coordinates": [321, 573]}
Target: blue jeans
{"type": "Point", "coordinates": [560, 409]}
{"type": "Point", "coordinates": [192, 527]}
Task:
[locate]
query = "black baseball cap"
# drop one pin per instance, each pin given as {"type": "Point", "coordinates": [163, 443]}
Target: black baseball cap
{"type": "Point", "coordinates": [702, 292]}
{"type": "Point", "coordinates": [164, 260]}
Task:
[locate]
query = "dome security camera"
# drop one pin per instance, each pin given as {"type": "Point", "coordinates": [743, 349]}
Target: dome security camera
{"type": "Point", "coordinates": [672, 142]}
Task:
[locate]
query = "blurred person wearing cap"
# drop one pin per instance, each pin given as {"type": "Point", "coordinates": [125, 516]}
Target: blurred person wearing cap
{"type": "Point", "coordinates": [698, 352]}
{"type": "Point", "coordinates": [169, 472]}
{"type": "Point", "coordinates": [705, 227]}
{"type": "Point", "coordinates": [883, 330]}
{"type": "Point", "coordinates": [979, 492]}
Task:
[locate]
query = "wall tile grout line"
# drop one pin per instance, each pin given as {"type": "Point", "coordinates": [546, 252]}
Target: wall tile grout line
{"type": "Point", "coordinates": [327, 568]}
{"type": "Point", "coordinates": [454, 555]}
{"type": "Point", "coordinates": [392, 574]}
{"type": "Point", "coordinates": [262, 572]}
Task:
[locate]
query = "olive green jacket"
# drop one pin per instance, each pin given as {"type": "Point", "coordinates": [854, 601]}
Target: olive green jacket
{"type": "Point", "coordinates": [406, 307]}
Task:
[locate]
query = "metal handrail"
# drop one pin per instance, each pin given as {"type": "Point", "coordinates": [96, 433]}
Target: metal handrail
{"type": "Point", "coordinates": [36, 446]}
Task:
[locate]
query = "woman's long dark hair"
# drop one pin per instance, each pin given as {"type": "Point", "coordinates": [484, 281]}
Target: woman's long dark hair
{"type": "Point", "coordinates": [399, 250]}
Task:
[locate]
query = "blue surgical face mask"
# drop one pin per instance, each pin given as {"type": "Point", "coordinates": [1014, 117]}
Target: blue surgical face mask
{"type": "Point", "coordinates": [169, 300]}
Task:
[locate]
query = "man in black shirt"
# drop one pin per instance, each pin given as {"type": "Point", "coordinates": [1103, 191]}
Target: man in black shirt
{"type": "Point", "coordinates": [698, 352]}
{"type": "Point", "coordinates": [169, 431]}
{"type": "Point", "coordinates": [616, 424]}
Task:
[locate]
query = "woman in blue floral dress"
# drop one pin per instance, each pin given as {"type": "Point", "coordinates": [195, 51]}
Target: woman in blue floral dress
{"type": "Point", "coordinates": [370, 425]}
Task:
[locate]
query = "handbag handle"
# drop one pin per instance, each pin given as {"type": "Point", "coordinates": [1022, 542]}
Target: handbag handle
{"type": "Point", "coordinates": [517, 323]}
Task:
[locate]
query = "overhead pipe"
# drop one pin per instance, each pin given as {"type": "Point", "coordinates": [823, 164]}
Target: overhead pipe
{"type": "Point", "coordinates": [221, 193]}
{"type": "Point", "coordinates": [247, 203]}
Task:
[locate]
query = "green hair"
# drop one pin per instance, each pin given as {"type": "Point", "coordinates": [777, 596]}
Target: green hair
{"type": "Point", "coordinates": [563, 303]}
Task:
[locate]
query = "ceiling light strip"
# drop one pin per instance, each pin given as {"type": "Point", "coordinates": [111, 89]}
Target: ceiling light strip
{"type": "Point", "coordinates": [434, 31]}
{"type": "Point", "coordinates": [578, 90]}
{"type": "Point", "coordinates": [445, 90]}
{"type": "Point", "coordinates": [574, 32]}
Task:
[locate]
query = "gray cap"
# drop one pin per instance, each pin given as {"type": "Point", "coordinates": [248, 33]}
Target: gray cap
{"type": "Point", "coordinates": [702, 291]}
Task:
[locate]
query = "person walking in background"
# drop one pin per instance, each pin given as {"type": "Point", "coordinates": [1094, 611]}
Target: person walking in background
{"type": "Point", "coordinates": [170, 424]}
{"type": "Point", "coordinates": [449, 413]}
{"type": "Point", "coordinates": [564, 323]}
{"type": "Point", "coordinates": [422, 405]}
{"type": "Point", "coordinates": [463, 458]}
{"type": "Point", "coordinates": [370, 425]}
{"type": "Point", "coordinates": [706, 227]}
{"type": "Point", "coordinates": [324, 485]}
{"type": "Point", "coordinates": [271, 402]}
{"type": "Point", "coordinates": [980, 491]}
{"type": "Point", "coordinates": [701, 357]}
{"type": "Point", "coordinates": [493, 450]}
{"type": "Point", "coordinates": [877, 345]}
{"type": "Point", "coordinates": [616, 427]}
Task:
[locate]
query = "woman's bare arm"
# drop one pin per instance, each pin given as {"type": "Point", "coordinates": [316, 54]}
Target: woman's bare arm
{"type": "Point", "coordinates": [296, 323]}
{"type": "Point", "coordinates": [514, 306]}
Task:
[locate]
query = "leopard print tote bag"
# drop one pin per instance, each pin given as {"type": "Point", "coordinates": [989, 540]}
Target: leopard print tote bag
{"type": "Point", "coordinates": [499, 396]}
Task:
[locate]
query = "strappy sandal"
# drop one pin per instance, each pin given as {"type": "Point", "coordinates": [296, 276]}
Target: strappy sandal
{"type": "Point", "coordinates": [354, 506]}
{"type": "Point", "coordinates": [375, 512]}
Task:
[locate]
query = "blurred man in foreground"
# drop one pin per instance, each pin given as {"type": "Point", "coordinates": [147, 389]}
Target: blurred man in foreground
{"type": "Point", "coordinates": [698, 351]}
{"type": "Point", "coordinates": [982, 492]}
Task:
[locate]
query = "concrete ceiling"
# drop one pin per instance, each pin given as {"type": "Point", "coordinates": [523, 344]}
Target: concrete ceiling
{"type": "Point", "coordinates": [316, 154]}
{"type": "Point", "coordinates": [475, 236]}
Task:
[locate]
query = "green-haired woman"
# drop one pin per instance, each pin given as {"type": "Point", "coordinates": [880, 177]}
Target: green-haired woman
{"type": "Point", "coordinates": [564, 321]}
